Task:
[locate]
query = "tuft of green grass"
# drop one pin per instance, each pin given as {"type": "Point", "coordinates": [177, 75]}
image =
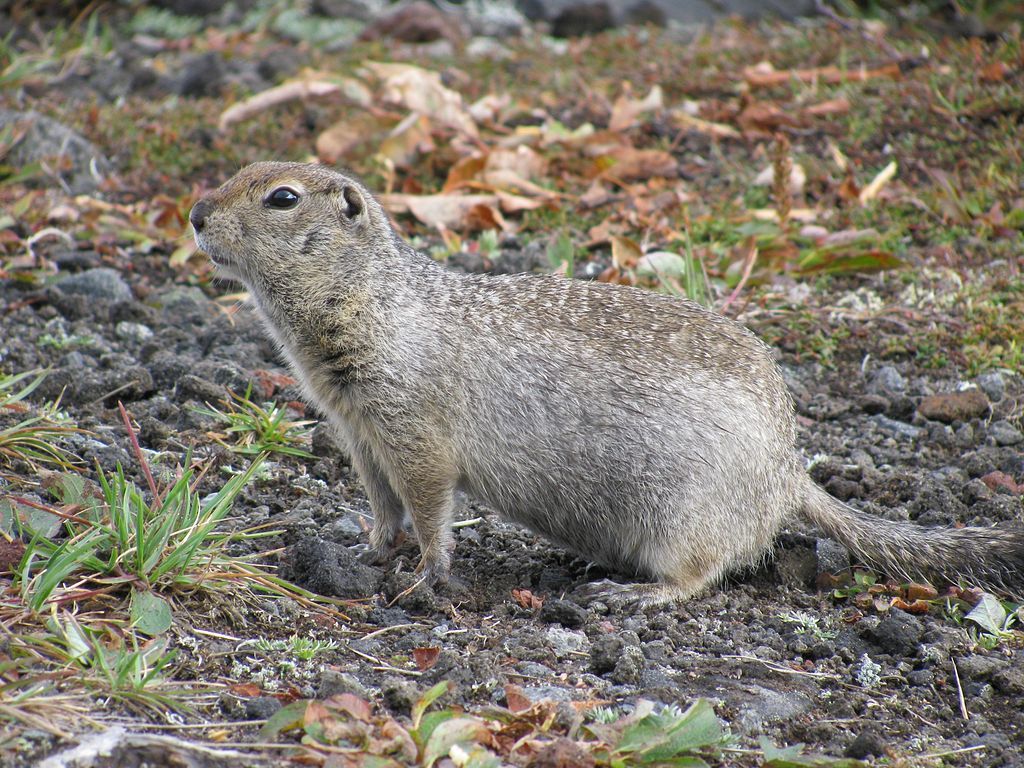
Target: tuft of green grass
{"type": "Point", "coordinates": [35, 438]}
{"type": "Point", "coordinates": [258, 428]}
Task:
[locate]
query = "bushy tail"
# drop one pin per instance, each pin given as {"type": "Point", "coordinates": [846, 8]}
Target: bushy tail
{"type": "Point", "coordinates": [989, 557]}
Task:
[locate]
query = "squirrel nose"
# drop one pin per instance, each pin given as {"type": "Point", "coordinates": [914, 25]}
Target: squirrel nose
{"type": "Point", "coordinates": [199, 213]}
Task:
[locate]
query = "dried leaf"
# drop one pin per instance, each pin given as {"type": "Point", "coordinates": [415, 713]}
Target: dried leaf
{"type": "Point", "coordinates": [762, 117]}
{"type": "Point", "coordinates": [631, 164]}
{"type": "Point", "coordinates": [338, 141]}
{"type": "Point", "coordinates": [352, 705]}
{"type": "Point", "coordinates": [247, 690]}
{"type": "Point", "coordinates": [525, 597]}
{"type": "Point", "coordinates": [989, 614]}
{"type": "Point", "coordinates": [425, 658]}
{"type": "Point", "coordinates": [484, 216]}
{"type": "Point", "coordinates": [684, 120]}
{"type": "Point", "coordinates": [914, 606]}
{"type": "Point", "coordinates": [447, 211]}
{"type": "Point", "coordinates": [515, 699]}
{"type": "Point", "coordinates": [306, 86]}
{"type": "Point", "coordinates": [764, 75]}
{"type": "Point", "coordinates": [870, 192]}
{"type": "Point", "coordinates": [421, 91]}
{"type": "Point", "coordinates": [995, 72]}
{"type": "Point", "coordinates": [465, 169]}
{"type": "Point", "coordinates": [409, 139]}
{"type": "Point", "coordinates": [626, 254]}
{"type": "Point", "coordinates": [921, 592]}
{"type": "Point", "coordinates": [838, 106]}
{"type": "Point", "coordinates": [626, 110]}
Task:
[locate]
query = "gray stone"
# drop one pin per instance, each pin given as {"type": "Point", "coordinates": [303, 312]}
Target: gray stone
{"type": "Point", "coordinates": [630, 667]}
{"type": "Point", "coordinates": [78, 163]}
{"type": "Point", "coordinates": [563, 612]}
{"type": "Point", "coordinates": [833, 557]}
{"type": "Point", "coordinates": [898, 428]}
{"type": "Point", "coordinates": [993, 385]}
{"type": "Point", "coordinates": [330, 569]}
{"type": "Point", "coordinates": [898, 633]}
{"type": "Point", "coordinates": [564, 642]}
{"type": "Point", "coordinates": [136, 332]}
{"type": "Point", "coordinates": [261, 708]}
{"type": "Point", "coordinates": [1004, 433]}
{"type": "Point", "coordinates": [102, 283]}
{"type": "Point", "coordinates": [684, 12]}
{"type": "Point", "coordinates": [766, 706]}
{"type": "Point", "coordinates": [886, 379]}
{"type": "Point", "coordinates": [333, 683]}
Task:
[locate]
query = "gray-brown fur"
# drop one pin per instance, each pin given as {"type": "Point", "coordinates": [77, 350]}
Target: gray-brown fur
{"type": "Point", "coordinates": [642, 431]}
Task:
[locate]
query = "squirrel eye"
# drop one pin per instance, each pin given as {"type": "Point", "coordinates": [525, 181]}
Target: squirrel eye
{"type": "Point", "coordinates": [282, 197]}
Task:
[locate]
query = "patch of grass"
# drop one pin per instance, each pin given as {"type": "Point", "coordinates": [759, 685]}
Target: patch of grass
{"type": "Point", "coordinates": [258, 428]}
{"type": "Point", "coordinates": [35, 438]}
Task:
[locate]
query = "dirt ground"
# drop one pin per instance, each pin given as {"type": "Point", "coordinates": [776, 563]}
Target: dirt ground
{"type": "Point", "coordinates": [774, 649]}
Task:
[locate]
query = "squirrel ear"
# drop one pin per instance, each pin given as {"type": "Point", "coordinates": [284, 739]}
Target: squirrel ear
{"type": "Point", "coordinates": [354, 203]}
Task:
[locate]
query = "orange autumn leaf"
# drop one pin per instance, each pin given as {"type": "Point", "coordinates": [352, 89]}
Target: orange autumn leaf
{"type": "Point", "coordinates": [425, 658]}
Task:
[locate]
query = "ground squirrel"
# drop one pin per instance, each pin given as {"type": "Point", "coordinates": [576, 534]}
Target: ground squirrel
{"type": "Point", "coordinates": [642, 431]}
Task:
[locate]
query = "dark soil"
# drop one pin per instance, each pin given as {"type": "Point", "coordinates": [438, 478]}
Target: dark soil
{"type": "Point", "coordinates": [775, 651]}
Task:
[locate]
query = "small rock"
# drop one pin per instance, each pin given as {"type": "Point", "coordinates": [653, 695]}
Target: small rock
{"type": "Point", "coordinates": [976, 490]}
{"type": "Point", "coordinates": [101, 283]}
{"type": "Point", "coordinates": [202, 75]}
{"type": "Point", "coordinates": [630, 667]}
{"type": "Point", "coordinates": [976, 667]}
{"type": "Point", "coordinates": [766, 706]}
{"type": "Point", "coordinates": [565, 642]}
{"type": "Point", "coordinates": [583, 18]}
{"type": "Point", "coordinates": [191, 387]}
{"type": "Point", "coordinates": [898, 633]}
{"type": "Point", "coordinates": [330, 569]}
{"type": "Point", "coordinates": [564, 612]}
{"type": "Point", "coordinates": [333, 683]}
{"type": "Point", "coordinates": [993, 385]}
{"type": "Point", "coordinates": [868, 743]}
{"type": "Point", "coordinates": [604, 653]}
{"type": "Point", "coordinates": [417, 22]}
{"type": "Point", "coordinates": [327, 442]}
{"type": "Point", "coordinates": [948, 407]}
{"type": "Point", "coordinates": [887, 380]}
{"type": "Point", "coordinates": [832, 556]}
{"type": "Point", "coordinates": [136, 332]}
{"type": "Point", "coordinates": [1004, 433]}
{"type": "Point", "coordinates": [872, 404]}
{"type": "Point", "coordinates": [898, 428]}
{"type": "Point", "coordinates": [399, 694]}
{"type": "Point", "coordinates": [46, 140]}
{"type": "Point", "coordinates": [261, 708]}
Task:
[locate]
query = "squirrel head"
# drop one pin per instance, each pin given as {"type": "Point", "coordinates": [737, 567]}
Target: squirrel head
{"type": "Point", "coordinates": [287, 225]}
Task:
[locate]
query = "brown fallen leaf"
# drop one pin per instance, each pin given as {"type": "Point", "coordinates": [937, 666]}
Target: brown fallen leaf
{"type": "Point", "coordinates": [482, 216]}
{"type": "Point", "coordinates": [352, 705]}
{"type": "Point", "coordinates": [626, 109]}
{"type": "Point", "coordinates": [515, 699]}
{"type": "Point", "coordinates": [464, 170]}
{"type": "Point", "coordinates": [631, 164]}
{"type": "Point", "coordinates": [447, 211]}
{"type": "Point", "coordinates": [684, 121]}
{"type": "Point", "coordinates": [626, 253]}
{"type": "Point", "coordinates": [763, 117]}
{"type": "Point", "coordinates": [764, 75]}
{"type": "Point", "coordinates": [995, 72]}
{"type": "Point", "coordinates": [425, 658]}
{"type": "Point", "coordinates": [914, 606]}
{"type": "Point", "coordinates": [921, 592]}
{"type": "Point", "coordinates": [839, 106]}
{"type": "Point", "coordinates": [307, 86]}
{"type": "Point", "coordinates": [526, 599]}
{"type": "Point", "coordinates": [421, 90]}
{"type": "Point", "coordinates": [408, 140]}
{"type": "Point", "coordinates": [340, 139]}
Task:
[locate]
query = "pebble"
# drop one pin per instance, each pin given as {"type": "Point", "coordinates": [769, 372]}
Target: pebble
{"type": "Point", "coordinates": [993, 385]}
{"type": "Point", "coordinates": [897, 428]}
{"type": "Point", "coordinates": [1004, 433]}
{"type": "Point", "coordinates": [101, 283]}
{"type": "Point", "coordinates": [565, 642]}
{"type": "Point", "coordinates": [948, 407]}
{"type": "Point", "coordinates": [887, 379]}
{"type": "Point", "coordinates": [136, 332]}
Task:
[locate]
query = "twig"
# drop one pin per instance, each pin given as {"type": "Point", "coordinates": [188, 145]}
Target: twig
{"type": "Point", "coordinates": [139, 456]}
{"type": "Point", "coordinates": [748, 267]}
{"type": "Point", "coordinates": [960, 691]}
{"type": "Point", "coordinates": [393, 628]}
